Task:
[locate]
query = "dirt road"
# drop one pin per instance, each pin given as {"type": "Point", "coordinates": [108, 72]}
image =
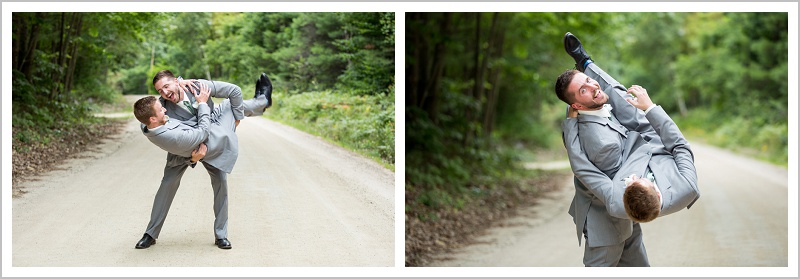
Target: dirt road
{"type": "Point", "coordinates": [294, 200]}
{"type": "Point", "coordinates": [741, 219]}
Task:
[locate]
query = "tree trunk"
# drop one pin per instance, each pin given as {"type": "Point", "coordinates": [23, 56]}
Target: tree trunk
{"type": "Point", "coordinates": [19, 21]}
{"type": "Point", "coordinates": [476, 56]}
{"type": "Point", "coordinates": [70, 74]}
{"type": "Point", "coordinates": [681, 103]}
{"type": "Point", "coordinates": [60, 48]}
{"type": "Point", "coordinates": [477, 80]}
{"type": "Point", "coordinates": [153, 57]}
{"type": "Point", "coordinates": [478, 72]}
{"type": "Point", "coordinates": [432, 88]}
{"type": "Point", "coordinates": [491, 103]}
{"type": "Point", "coordinates": [26, 66]}
{"type": "Point", "coordinates": [421, 70]}
{"type": "Point", "coordinates": [478, 88]}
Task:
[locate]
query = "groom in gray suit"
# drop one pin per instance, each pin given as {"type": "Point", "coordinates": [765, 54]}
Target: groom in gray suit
{"type": "Point", "coordinates": [184, 107]}
{"type": "Point", "coordinates": [616, 140]}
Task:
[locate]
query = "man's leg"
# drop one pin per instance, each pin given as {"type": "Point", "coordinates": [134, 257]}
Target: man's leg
{"type": "Point", "coordinates": [164, 196]}
{"type": "Point", "coordinates": [627, 115]}
{"type": "Point", "coordinates": [219, 184]}
{"type": "Point", "coordinates": [602, 256]}
{"type": "Point", "coordinates": [224, 114]}
{"type": "Point", "coordinates": [255, 106]}
{"type": "Point", "coordinates": [634, 253]}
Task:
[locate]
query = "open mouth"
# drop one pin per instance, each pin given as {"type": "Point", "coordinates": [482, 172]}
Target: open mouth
{"type": "Point", "coordinates": [597, 93]}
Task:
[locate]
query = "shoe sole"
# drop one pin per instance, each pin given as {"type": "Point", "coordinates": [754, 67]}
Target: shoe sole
{"type": "Point", "coordinates": [145, 247]}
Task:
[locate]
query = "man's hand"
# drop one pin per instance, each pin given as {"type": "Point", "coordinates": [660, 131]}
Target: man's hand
{"type": "Point", "coordinates": [572, 112]}
{"type": "Point", "coordinates": [204, 93]}
{"type": "Point", "coordinates": [184, 83]}
{"type": "Point", "coordinates": [237, 123]}
{"type": "Point", "coordinates": [640, 98]}
{"type": "Point", "coordinates": [199, 153]}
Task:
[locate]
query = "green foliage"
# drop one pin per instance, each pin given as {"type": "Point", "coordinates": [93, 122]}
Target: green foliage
{"type": "Point", "coordinates": [363, 123]}
{"type": "Point", "coordinates": [113, 53]}
{"type": "Point", "coordinates": [767, 141]}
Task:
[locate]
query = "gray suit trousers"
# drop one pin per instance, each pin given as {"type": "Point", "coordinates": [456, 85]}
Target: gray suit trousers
{"type": "Point", "coordinates": [169, 186]}
{"type": "Point", "coordinates": [631, 252]}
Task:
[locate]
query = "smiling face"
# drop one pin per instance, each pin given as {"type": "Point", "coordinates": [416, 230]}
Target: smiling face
{"type": "Point", "coordinates": [586, 93]}
{"type": "Point", "coordinates": [168, 88]}
{"type": "Point", "coordinates": [160, 117]}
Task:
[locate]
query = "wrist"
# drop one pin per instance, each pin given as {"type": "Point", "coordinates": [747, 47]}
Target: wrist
{"type": "Point", "coordinates": [649, 108]}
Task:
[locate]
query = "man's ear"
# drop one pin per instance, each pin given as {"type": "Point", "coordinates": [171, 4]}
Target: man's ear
{"type": "Point", "coordinates": [577, 106]}
{"type": "Point", "coordinates": [153, 119]}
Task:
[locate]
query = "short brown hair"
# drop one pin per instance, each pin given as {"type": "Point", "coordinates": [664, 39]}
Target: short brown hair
{"type": "Point", "coordinates": [161, 74]}
{"type": "Point", "coordinates": [562, 83]}
{"type": "Point", "coordinates": [641, 202]}
{"type": "Point", "coordinates": [143, 109]}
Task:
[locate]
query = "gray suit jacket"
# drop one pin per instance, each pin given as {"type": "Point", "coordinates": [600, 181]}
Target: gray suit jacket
{"type": "Point", "coordinates": [600, 145]}
{"type": "Point", "coordinates": [672, 163]}
{"type": "Point", "coordinates": [219, 89]}
{"type": "Point", "coordinates": [214, 128]}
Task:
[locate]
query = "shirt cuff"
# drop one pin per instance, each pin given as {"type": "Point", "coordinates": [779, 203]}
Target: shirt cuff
{"type": "Point", "coordinates": [649, 108]}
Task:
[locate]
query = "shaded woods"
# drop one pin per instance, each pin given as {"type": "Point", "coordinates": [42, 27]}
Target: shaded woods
{"type": "Point", "coordinates": [480, 99]}
{"type": "Point", "coordinates": [66, 65]}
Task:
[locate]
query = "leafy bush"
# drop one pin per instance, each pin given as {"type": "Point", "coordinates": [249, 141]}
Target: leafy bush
{"type": "Point", "coordinates": [363, 123]}
{"type": "Point", "coordinates": [751, 135]}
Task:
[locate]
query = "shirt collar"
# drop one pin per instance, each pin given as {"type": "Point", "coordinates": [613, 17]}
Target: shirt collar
{"type": "Point", "coordinates": [162, 125]}
{"type": "Point", "coordinates": [604, 111]}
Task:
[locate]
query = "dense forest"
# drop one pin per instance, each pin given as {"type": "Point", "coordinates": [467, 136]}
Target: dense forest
{"type": "Point", "coordinates": [65, 64]}
{"type": "Point", "coordinates": [480, 88]}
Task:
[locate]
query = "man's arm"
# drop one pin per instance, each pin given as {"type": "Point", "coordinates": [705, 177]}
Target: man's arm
{"type": "Point", "coordinates": [626, 114]}
{"type": "Point", "coordinates": [184, 139]}
{"type": "Point", "coordinates": [671, 137]}
{"type": "Point", "coordinates": [232, 92]}
{"type": "Point", "coordinates": [181, 139]}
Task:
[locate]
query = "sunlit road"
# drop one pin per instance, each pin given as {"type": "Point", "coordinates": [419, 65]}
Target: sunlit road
{"type": "Point", "coordinates": [294, 200]}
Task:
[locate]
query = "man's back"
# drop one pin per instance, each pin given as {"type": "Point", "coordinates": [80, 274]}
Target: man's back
{"type": "Point", "coordinates": [216, 129]}
{"type": "Point", "coordinates": [671, 162]}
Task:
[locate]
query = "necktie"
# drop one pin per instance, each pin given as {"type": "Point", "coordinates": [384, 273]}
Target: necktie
{"type": "Point", "coordinates": [189, 106]}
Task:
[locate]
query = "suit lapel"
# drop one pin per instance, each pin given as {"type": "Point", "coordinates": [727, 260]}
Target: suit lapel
{"type": "Point", "coordinates": [192, 100]}
{"type": "Point", "coordinates": [604, 121]}
{"type": "Point", "coordinates": [177, 111]}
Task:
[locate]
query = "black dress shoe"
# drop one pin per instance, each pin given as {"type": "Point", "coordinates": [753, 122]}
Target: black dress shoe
{"type": "Point", "coordinates": [264, 87]}
{"type": "Point", "coordinates": [145, 242]}
{"type": "Point", "coordinates": [223, 243]}
{"type": "Point", "coordinates": [575, 49]}
{"type": "Point", "coordinates": [258, 85]}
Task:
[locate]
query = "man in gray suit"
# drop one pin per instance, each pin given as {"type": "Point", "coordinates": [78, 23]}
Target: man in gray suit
{"type": "Point", "coordinates": [216, 129]}
{"type": "Point", "coordinates": [616, 140]}
{"type": "Point", "coordinates": [184, 107]}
